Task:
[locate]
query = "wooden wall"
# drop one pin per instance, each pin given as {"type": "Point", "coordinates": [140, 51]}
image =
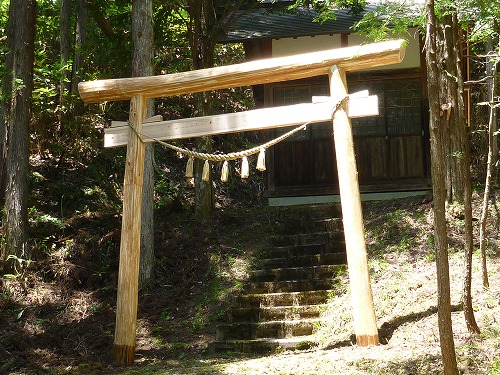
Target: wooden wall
{"type": "Point", "coordinates": [394, 158]}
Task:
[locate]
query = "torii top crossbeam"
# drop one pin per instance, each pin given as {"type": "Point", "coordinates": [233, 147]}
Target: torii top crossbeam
{"type": "Point", "coordinates": [249, 73]}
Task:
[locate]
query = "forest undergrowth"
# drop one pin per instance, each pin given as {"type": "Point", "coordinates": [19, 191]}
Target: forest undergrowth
{"type": "Point", "coordinates": [58, 310]}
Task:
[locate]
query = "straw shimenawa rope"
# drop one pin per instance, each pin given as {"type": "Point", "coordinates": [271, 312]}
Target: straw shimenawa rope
{"type": "Point", "coordinates": [233, 155]}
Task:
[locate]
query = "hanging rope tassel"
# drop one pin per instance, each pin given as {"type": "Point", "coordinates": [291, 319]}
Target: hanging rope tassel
{"type": "Point", "coordinates": [206, 171]}
{"type": "Point", "coordinates": [189, 167]}
{"type": "Point", "coordinates": [225, 171]}
{"type": "Point", "coordinates": [261, 161]}
{"type": "Point", "coordinates": [245, 171]}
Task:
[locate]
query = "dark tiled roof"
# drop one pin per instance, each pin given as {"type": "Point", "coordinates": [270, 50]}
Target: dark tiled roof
{"type": "Point", "coordinates": [271, 23]}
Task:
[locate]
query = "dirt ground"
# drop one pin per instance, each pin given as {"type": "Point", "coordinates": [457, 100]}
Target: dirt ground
{"type": "Point", "coordinates": [58, 316]}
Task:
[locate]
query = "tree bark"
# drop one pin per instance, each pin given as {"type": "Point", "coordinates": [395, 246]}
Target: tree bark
{"type": "Point", "coordinates": [491, 70]}
{"type": "Point", "coordinates": [3, 144]}
{"type": "Point", "coordinates": [142, 65]}
{"type": "Point", "coordinates": [76, 69]}
{"type": "Point", "coordinates": [99, 18]}
{"type": "Point", "coordinates": [439, 197]}
{"type": "Point", "coordinates": [63, 113]}
{"type": "Point", "coordinates": [203, 25]}
{"type": "Point", "coordinates": [204, 192]}
{"type": "Point", "coordinates": [456, 89]}
{"type": "Point", "coordinates": [20, 44]}
{"type": "Point", "coordinates": [4, 121]}
{"type": "Point", "coordinates": [65, 47]}
{"type": "Point", "coordinates": [442, 60]}
{"type": "Point", "coordinates": [448, 85]}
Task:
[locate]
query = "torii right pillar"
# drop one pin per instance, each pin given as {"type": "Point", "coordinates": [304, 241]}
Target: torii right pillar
{"type": "Point", "coordinates": [365, 322]}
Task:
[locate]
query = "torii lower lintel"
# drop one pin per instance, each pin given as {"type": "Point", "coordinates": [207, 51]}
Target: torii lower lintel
{"type": "Point", "coordinates": [360, 105]}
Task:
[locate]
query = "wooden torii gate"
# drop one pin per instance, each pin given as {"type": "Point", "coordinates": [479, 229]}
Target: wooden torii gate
{"type": "Point", "coordinates": [335, 63]}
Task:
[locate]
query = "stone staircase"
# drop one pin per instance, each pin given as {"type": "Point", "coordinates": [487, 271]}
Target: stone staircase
{"type": "Point", "coordinates": [282, 300]}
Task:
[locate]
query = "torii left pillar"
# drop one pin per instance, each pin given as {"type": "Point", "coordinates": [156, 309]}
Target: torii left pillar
{"type": "Point", "coordinates": [128, 275]}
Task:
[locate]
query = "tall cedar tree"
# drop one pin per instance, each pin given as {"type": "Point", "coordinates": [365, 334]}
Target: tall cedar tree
{"type": "Point", "coordinates": [65, 50]}
{"type": "Point", "coordinates": [439, 195]}
{"type": "Point", "coordinates": [457, 144]}
{"type": "Point", "coordinates": [491, 72]}
{"type": "Point", "coordinates": [142, 65]}
{"type": "Point", "coordinates": [206, 23]}
{"type": "Point", "coordinates": [77, 66]}
{"type": "Point", "coordinates": [17, 115]}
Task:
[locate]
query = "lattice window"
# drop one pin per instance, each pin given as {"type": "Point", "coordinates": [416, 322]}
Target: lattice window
{"type": "Point", "coordinates": [400, 109]}
{"type": "Point", "coordinates": [288, 95]}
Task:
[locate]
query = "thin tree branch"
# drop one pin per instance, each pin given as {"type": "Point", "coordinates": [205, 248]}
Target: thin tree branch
{"type": "Point", "coordinates": [479, 81]}
{"type": "Point", "coordinates": [99, 18]}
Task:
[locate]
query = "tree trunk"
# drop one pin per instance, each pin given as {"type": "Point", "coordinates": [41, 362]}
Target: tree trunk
{"type": "Point", "coordinates": [63, 113]}
{"type": "Point", "coordinates": [4, 120]}
{"type": "Point", "coordinates": [491, 70]}
{"type": "Point", "coordinates": [102, 22]}
{"type": "Point", "coordinates": [447, 63]}
{"type": "Point", "coordinates": [65, 46]}
{"type": "Point", "coordinates": [203, 25]}
{"type": "Point", "coordinates": [439, 197]}
{"type": "Point", "coordinates": [80, 40]}
{"type": "Point", "coordinates": [142, 65]}
{"type": "Point", "coordinates": [456, 89]}
{"type": "Point", "coordinates": [442, 59]}
{"type": "Point", "coordinates": [20, 43]}
{"type": "Point", "coordinates": [3, 141]}
{"type": "Point", "coordinates": [204, 192]}
{"type": "Point", "coordinates": [146, 264]}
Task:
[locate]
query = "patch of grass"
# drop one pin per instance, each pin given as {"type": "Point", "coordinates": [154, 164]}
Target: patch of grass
{"type": "Point", "coordinates": [495, 367]}
{"type": "Point", "coordinates": [431, 256]}
{"type": "Point", "coordinates": [377, 265]}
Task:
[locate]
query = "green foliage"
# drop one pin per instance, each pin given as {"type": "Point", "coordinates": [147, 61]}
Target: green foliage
{"type": "Point", "coordinates": [20, 266]}
{"type": "Point", "coordinates": [495, 368]}
{"type": "Point", "coordinates": [172, 45]}
{"type": "Point", "coordinates": [391, 19]}
{"type": "Point", "coordinates": [166, 315]}
{"type": "Point", "coordinates": [394, 18]}
{"type": "Point", "coordinates": [483, 15]}
{"type": "Point", "coordinates": [165, 192]}
{"type": "Point", "coordinates": [49, 219]}
{"type": "Point", "coordinates": [431, 256]}
{"type": "Point", "coordinates": [327, 8]}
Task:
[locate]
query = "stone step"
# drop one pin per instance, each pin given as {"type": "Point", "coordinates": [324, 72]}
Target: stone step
{"type": "Point", "coordinates": [304, 261]}
{"type": "Point", "coordinates": [260, 300]}
{"type": "Point", "coordinates": [263, 314]}
{"type": "Point", "coordinates": [310, 238]}
{"type": "Point", "coordinates": [299, 250]}
{"type": "Point", "coordinates": [278, 329]}
{"type": "Point", "coordinates": [324, 271]}
{"type": "Point", "coordinates": [264, 346]}
{"type": "Point", "coordinates": [293, 225]}
{"type": "Point", "coordinates": [287, 286]}
{"type": "Point", "coordinates": [282, 301]}
{"type": "Point", "coordinates": [308, 212]}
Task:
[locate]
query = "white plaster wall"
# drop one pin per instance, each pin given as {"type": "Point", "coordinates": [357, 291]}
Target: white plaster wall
{"type": "Point", "coordinates": [292, 46]}
{"type": "Point", "coordinates": [412, 53]}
